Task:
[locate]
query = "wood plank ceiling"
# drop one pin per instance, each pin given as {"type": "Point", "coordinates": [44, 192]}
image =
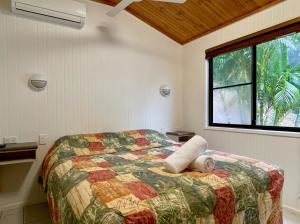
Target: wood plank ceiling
{"type": "Point", "coordinates": [195, 18]}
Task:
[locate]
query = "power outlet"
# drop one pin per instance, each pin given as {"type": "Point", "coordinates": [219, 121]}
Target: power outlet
{"type": "Point", "coordinates": [43, 139]}
{"type": "Point", "coordinates": [10, 140]}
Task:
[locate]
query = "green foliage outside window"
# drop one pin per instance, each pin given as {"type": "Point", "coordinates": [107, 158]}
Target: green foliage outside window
{"type": "Point", "coordinates": [277, 84]}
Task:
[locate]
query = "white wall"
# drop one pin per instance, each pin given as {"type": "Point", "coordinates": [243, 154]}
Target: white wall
{"type": "Point", "coordinates": [105, 77]}
{"type": "Point", "coordinates": [278, 150]}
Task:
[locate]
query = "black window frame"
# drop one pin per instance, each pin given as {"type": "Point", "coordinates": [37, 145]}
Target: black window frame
{"type": "Point", "coordinates": [253, 124]}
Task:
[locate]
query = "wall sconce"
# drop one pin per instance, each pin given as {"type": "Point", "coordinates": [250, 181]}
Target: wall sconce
{"type": "Point", "coordinates": [37, 82]}
{"type": "Point", "coordinates": [165, 91]}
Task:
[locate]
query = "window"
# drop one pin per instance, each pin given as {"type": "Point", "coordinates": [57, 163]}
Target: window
{"type": "Point", "coordinates": [257, 86]}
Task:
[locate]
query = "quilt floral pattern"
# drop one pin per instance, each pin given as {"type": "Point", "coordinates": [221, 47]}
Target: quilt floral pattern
{"type": "Point", "coordinates": [118, 178]}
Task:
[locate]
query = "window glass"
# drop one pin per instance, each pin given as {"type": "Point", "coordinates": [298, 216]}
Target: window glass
{"type": "Point", "coordinates": [278, 82]}
{"type": "Point", "coordinates": [232, 105]}
{"type": "Point", "coordinates": [232, 68]}
{"type": "Point", "coordinates": [266, 98]}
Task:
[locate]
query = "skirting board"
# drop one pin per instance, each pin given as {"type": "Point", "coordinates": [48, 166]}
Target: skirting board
{"type": "Point", "coordinates": [11, 209]}
{"type": "Point", "coordinates": [291, 210]}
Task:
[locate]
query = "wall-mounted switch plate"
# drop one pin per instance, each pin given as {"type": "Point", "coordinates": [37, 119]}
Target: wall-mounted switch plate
{"type": "Point", "coordinates": [43, 139]}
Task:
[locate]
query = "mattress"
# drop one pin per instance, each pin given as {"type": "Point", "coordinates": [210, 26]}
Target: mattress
{"type": "Point", "coordinates": [115, 178]}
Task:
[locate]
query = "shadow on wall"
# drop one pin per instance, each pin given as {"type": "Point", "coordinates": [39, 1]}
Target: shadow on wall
{"type": "Point", "coordinates": [20, 181]}
{"type": "Point", "coordinates": [5, 7]}
{"type": "Point", "coordinates": [12, 177]}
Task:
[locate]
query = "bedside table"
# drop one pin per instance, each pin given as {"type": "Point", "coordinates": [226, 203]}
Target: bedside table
{"type": "Point", "coordinates": [180, 136]}
{"type": "Point", "coordinates": [18, 153]}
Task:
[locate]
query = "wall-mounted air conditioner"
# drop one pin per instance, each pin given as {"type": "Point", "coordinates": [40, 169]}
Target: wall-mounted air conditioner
{"type": "Point", "coordinates": [67, 12]}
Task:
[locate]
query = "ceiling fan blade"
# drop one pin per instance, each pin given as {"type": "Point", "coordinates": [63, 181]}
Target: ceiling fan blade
{"type": "Point", "coordinates": [119, 7]}
{"type": "Point", "coordinates": [172, 1]}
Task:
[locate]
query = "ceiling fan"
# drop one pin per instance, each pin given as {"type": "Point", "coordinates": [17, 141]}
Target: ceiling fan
{"type": "Point", "coordinates": [124, 3]}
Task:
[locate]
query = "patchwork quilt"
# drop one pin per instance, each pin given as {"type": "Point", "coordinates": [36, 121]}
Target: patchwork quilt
{"type": "Point", "coordinates": [118, 178]}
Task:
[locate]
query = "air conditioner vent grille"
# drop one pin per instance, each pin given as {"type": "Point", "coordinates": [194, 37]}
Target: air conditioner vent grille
{"type": "Point", "coordinates": [41, 9]}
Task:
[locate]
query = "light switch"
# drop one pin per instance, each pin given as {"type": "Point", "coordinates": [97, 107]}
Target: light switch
{"type": "Point", "coordinates": [43, 138]}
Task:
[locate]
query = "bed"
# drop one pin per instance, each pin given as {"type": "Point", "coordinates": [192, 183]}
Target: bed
{"type": "Point", "coordinates": [115, 178]}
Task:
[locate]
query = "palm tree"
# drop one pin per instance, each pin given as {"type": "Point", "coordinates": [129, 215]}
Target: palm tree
{"type": "Point", "coordinates": [277, 81]}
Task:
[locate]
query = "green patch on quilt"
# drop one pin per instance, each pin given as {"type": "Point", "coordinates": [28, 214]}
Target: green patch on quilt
{"type": "Point", "coordinates": [171, 206]}
{"type": "Point", "coordinates": [116, 160]}
{"type": "Point", "coordinates": [259, 178]}
{"type": "Point", "coordinates": [78, 141]}
{"type": "Point", "coordinates": [146, 163]}
{"type": "Point", "coordinates": [156, 137]}
{"type": "Point", "coordinates": [62, 140]}
{"type": "Point", "coordinates": [128, 168]}
{"type": "Point", "coordinates": [67, 214]}
{"type": "Point", "coordinates": [200, 196]}
{"type": "Point", "coordinates": [230, 167]}
{"type": "Point", "coordinates": [158, 182]}
{"type": "Point", "coordinates": [109, 216]}
{"type": "Point", "coordinates": [110, 135]}
{"type": "Point", "coordinates": [71, 179]}
{"type": "Point", "coordinates": [66, 153]}
{"type": "Point", "coordinates": [126, 140]}
{"type": "Point", "coordinates": [162, 150]}
{"type": "Point", "coordinates": [251, 216]}
{"type": "Point", "coordinates": [122, 149]}
{"type": "Point", "coordinates": [92, 211]}
{"type": "Point", "coordinates": [54, 185]}
{"type": "Point", "coordinates": [111, 143]}
{"type": "Point", "coordinates": [244, 191]}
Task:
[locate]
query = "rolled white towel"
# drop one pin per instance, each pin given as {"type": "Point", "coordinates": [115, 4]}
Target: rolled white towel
{"type": "Point", "coordinates": [186, 154]}
{"type": "Point", "coordinates": [203, 164]}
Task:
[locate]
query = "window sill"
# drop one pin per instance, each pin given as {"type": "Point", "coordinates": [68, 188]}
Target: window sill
{"type": "Point", "coordinates": [255, 131]}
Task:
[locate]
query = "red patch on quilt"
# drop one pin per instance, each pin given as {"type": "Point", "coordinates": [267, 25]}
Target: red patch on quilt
{"type": "Point", "coordinates": [141, 190]}
{"type": "Point", "coordinates": [225, 208]}
{"type": "Point", "coordinates": [101, 175]}
{"type": "Point", "coordinates": [99, 136]}
{"type": "Point", "coordinates": [163, 156]}
{"type": "Point", "coordinates": [80, 158]}
{"type": "Point", "coordinates": [141, 217]}
{"type": "Point", "coordinates": [142, 141]}
{"type": "Point", "coordinates": [104, 164]}
{"type": "Point", "coordinates": [54, 213]}
{"type": "Point", "coordinates": [139, 153]}
{"type": "Point", "coordinates": [52, 149]}
{"type": "Point", "coordinates": [141, 132]}
{"type": "Point", "coordinates": [46, 163]}
{"type": "Point", "coordinates": [275, 184]}
{"type": "Point", "coordinates": [96, 146]}
{"type": "Point", "coordinates": [221, 173]}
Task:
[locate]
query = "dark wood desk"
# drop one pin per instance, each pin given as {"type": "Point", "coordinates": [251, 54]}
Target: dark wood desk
{"type": "Point", "coordinates": [180, 136]}
{"type": "Point", "coordinates": [18, 153]}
